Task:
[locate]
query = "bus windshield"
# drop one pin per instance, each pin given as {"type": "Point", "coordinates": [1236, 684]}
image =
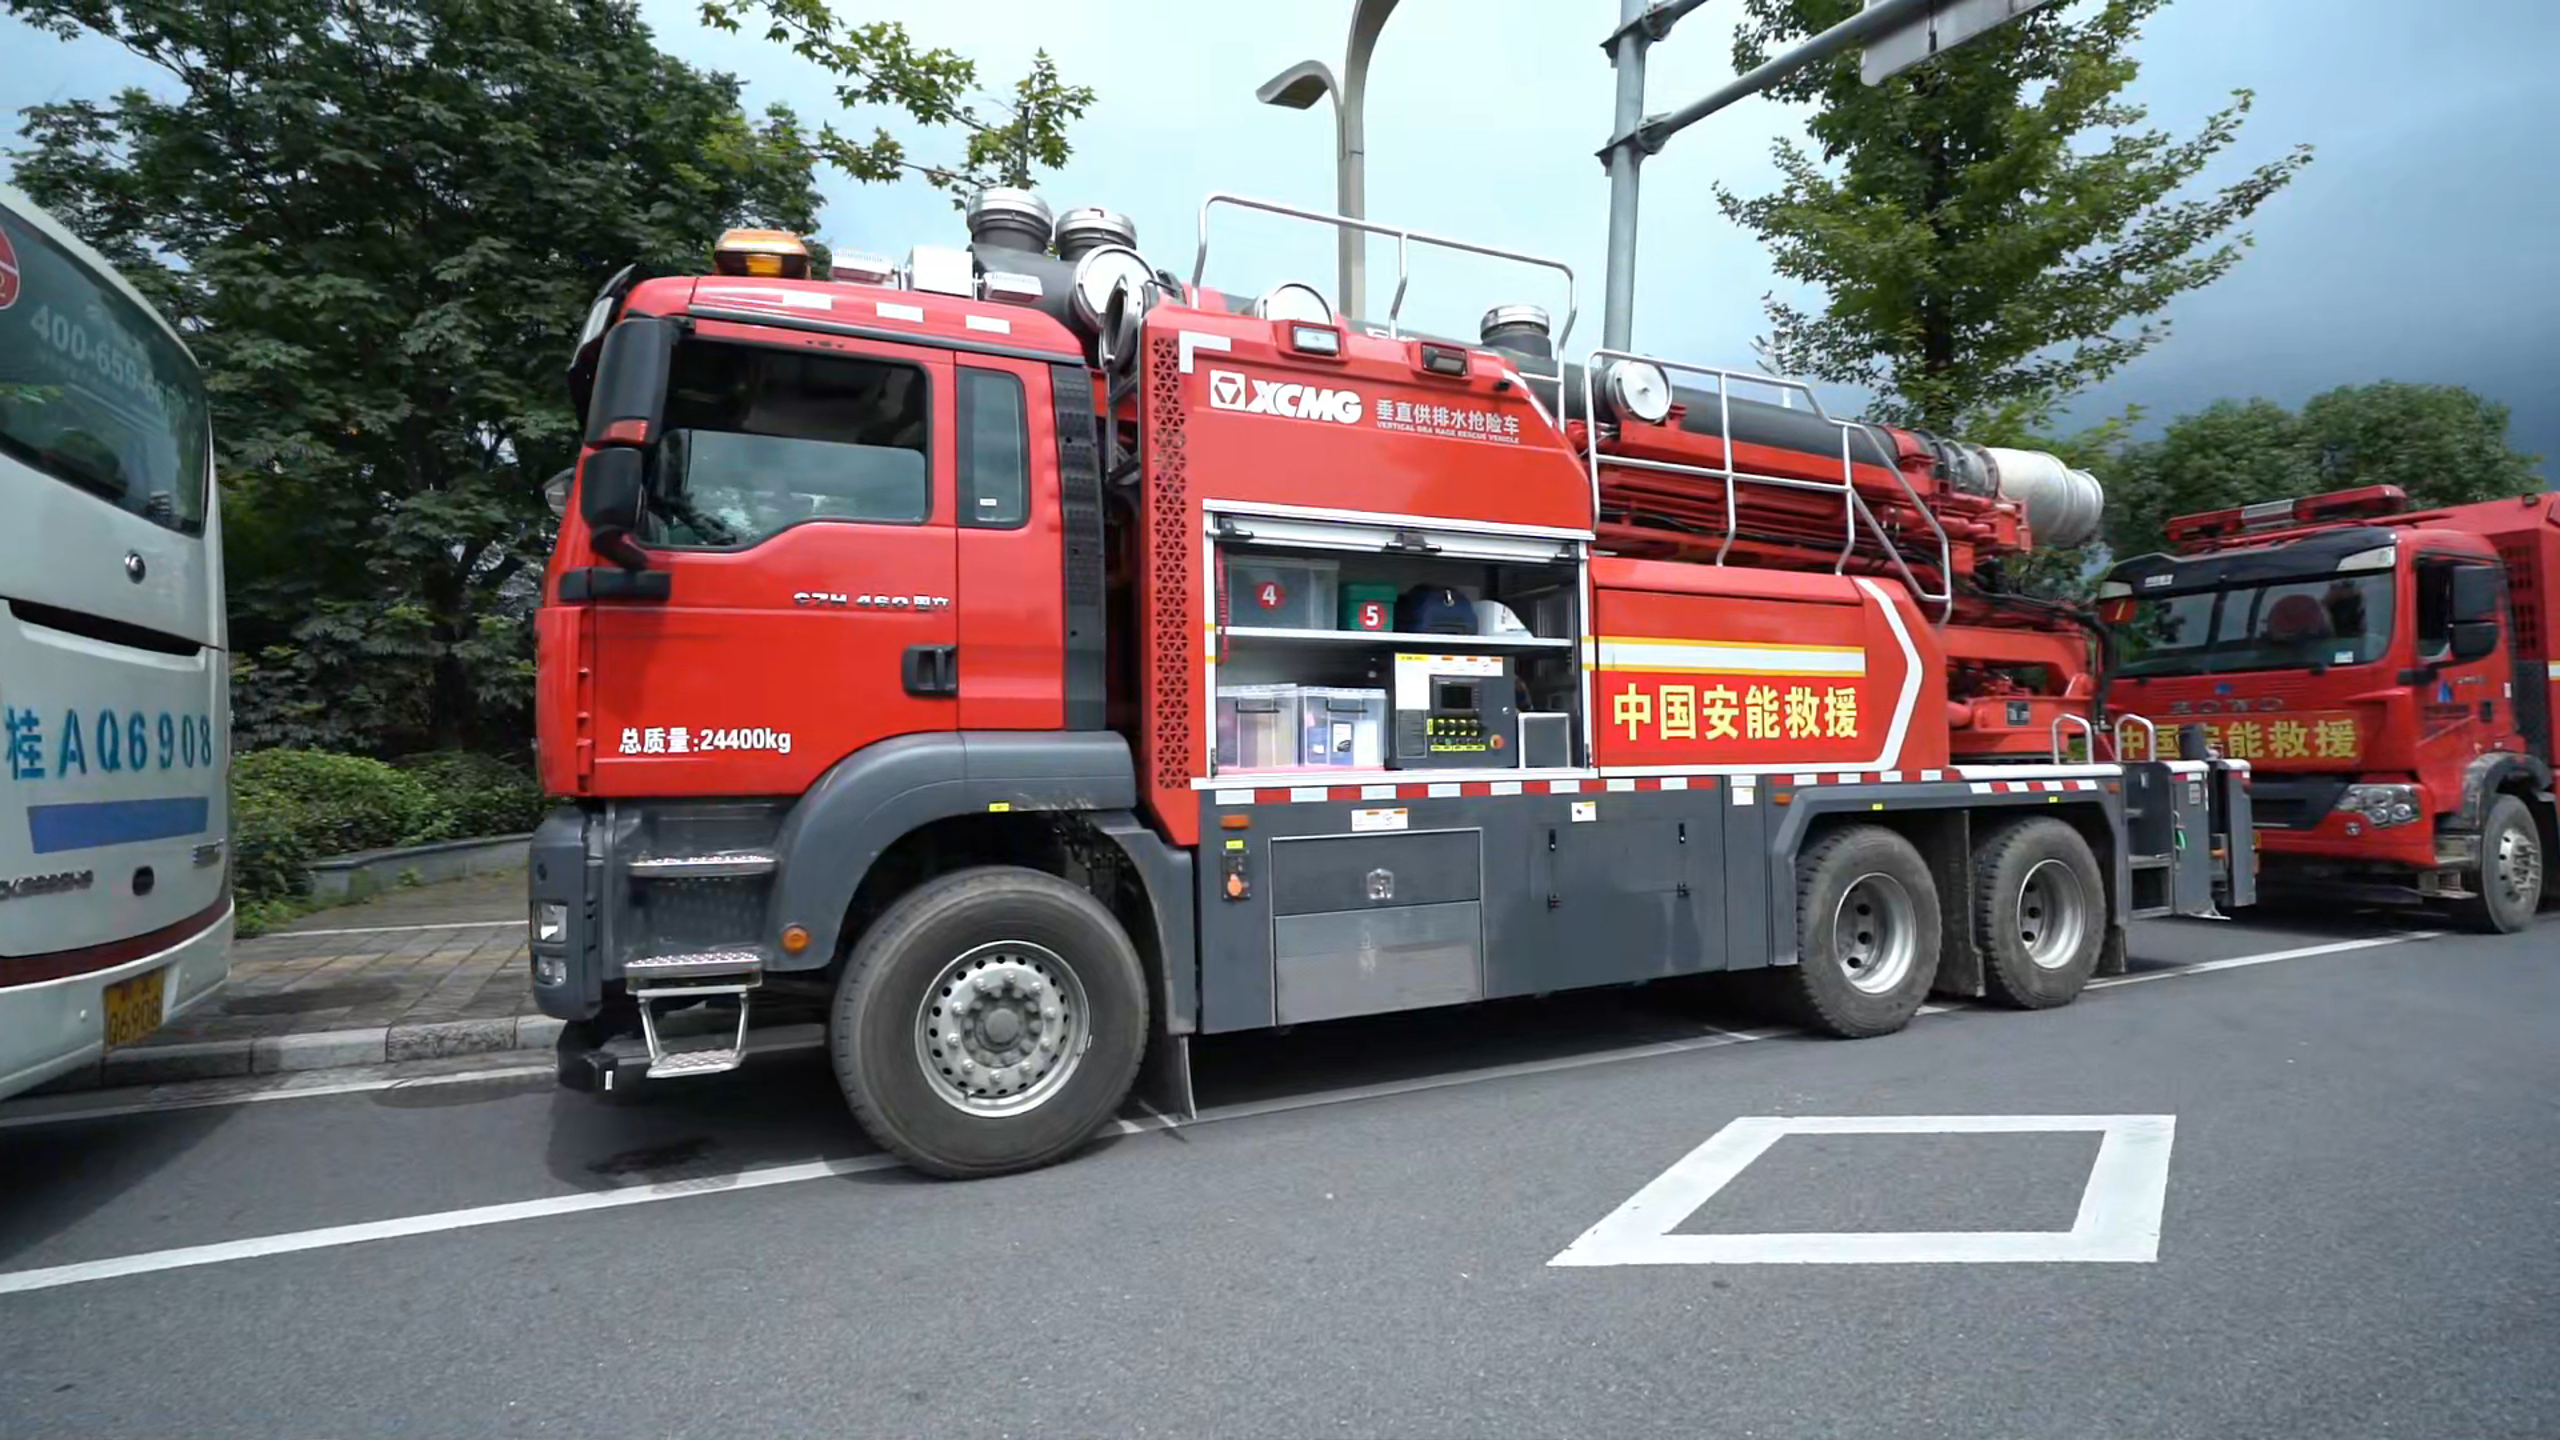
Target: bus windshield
{"type": "Point", "coordinates": [2284, 625]}
{"type": "Point", "coordinates": [93, 392]}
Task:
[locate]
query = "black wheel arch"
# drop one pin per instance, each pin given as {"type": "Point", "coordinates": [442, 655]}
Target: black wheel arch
{"type": "Point", "coordinates": [1053, 801]}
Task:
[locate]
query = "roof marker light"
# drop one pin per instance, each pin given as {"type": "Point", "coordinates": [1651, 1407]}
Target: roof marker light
{"type": "Point", "coordinates": [776, 254]}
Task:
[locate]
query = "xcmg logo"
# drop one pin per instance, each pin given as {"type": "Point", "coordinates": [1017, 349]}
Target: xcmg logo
{"type": "Point", "coordinates": [1271, 397]}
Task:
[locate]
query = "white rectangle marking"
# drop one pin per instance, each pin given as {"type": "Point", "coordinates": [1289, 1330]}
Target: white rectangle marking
{"type": "Point", "coordinates": [1564, 787]}
{"type": "Point", "coordinates": [892, 310]}
{"type": "Point", "coordinates": [1585, 811]}
{"type": "Point", "coordinates": [1506, 787]}
{"type": "Point", "coordinates": [1621, 786]}
{"type": "Point", "coordinates": [1377, 792]}
{"type": "Point", "coordinates": [1444, 790]}
{"type": "Point", "coordinates": [993, 325]}
{"type": "Point", "coordinates": [1675, 782]}
{"type": "Point", "coordinates": [1235, 797]}
{"type": "Point", "coordinates": [1302, 794]}
{"type": "Point", "coordinates": [2118, 1219]}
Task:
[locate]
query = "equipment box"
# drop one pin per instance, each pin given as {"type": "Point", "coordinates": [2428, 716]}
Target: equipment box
{"type": "Point", "coordinates": [1343, 727]}
{"type": "Point", "coordinates": [1281, 593]}
{"type": "Point", "coordinates": [1257, 727]}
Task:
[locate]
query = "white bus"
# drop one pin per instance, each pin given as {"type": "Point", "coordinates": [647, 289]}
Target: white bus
{"type": "Point", "coordinates": [115, 901]}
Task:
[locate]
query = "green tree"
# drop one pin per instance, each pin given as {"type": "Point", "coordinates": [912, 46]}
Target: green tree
{"type": "Point", "coordinates": [1988, 224]}
{"type": "Point", "coordinates": [379, 223]}
{"type": "Point", "coordinates": [2443, 444]}
{"type": "Point", "coordinates": [877, 64]}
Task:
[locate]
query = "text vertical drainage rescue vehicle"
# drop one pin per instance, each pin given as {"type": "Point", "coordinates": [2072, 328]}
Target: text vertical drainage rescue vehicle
{"type": "Point", "coordinates": [1039, 661]}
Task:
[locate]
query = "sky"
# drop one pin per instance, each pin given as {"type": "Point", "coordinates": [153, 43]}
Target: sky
{"type": "Point", "coordinates": [2423, 244]}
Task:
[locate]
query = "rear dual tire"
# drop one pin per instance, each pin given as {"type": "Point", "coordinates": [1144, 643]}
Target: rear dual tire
{"type": "Point", "coordinates": [2039, 912]}
{"type": "Point", "coordinates": [1867, 933]}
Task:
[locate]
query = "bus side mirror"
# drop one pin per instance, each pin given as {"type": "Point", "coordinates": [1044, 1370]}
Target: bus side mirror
{"type": "Point", "coordinates": [2474, 640]}
{"type": "Point", "coordinates": [2475, 594]}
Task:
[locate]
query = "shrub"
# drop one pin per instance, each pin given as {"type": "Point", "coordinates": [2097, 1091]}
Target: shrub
{"type": "Point", "coordinates": [339, 803]}
{"type": "Point", "coordinates": [291, 807]}
{"type": "Point", "coordinates": [480, 794]}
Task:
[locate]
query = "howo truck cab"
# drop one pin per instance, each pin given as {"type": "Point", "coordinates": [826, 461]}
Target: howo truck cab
{"type": "Point", "coordinates": [2387, 672]}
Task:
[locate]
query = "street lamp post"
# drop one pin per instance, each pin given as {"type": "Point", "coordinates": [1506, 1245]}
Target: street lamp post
{"type": "Point", "coordinates": [1298, 88]}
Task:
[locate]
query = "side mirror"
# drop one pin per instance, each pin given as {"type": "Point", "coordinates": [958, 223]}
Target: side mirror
{"type": "Point", "coordinates": [609, 499]}
{"type": "Point", "coordinates": [622, 428]}
{"type": "Point", "coordinates": [2474, 640]}
{"type": "Point", "coordinates": [631, 382]}
{"type": "Point", "coordinates": [2475, 594]}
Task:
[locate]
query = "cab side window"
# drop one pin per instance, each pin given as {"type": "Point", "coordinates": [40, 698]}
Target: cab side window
{"type": "Point", "coordinates": [995, 450]}
{"type": "Point", "coordinates": [2436, 580]}
{"type": "Point", "coordinates": [759, 439]}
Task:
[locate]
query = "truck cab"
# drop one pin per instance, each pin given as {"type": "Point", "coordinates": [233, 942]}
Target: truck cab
{"type": "Point", "coordinates": [2386, 673]}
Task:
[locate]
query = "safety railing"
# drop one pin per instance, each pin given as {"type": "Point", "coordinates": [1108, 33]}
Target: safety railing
{"type": "Point", "coordinates": [2150, 732]}
{"type": "Point", "coordinates": [2062, 756]}
{"type": "Point", "coordinates": [1853, 508]}
{"type": "Point", "coordinates": [1405, 240]}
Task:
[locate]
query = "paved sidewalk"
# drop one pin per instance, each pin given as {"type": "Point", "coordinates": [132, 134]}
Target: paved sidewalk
{"type": "Point", "coordinates": [407, 975]}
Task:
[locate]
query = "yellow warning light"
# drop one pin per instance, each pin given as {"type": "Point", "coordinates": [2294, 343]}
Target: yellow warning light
{"type": "Point", "coordinates": [774, 253]}
{"type": "Point", "coordinates": [794, 939]}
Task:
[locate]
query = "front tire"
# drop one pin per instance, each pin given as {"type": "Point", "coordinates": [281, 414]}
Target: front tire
{"type": "Point", "coordinates": [2508, 887]}
{"type": "Point", "coordinates": [991, 1021]}
{"type": "Point", "coordinates": [2039, 912]}
{"type": "Point", "coordinates": [1867, 930]}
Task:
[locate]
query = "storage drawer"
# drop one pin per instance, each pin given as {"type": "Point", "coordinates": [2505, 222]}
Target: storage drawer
{"type": "Point", "coordinates": [1367, 962]}
{"type": "Point", "coordinates": [1366, 872]}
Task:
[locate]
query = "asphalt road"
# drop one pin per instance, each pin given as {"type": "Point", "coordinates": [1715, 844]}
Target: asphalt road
{"type": "Point", "coordinates": [2353, 1233]}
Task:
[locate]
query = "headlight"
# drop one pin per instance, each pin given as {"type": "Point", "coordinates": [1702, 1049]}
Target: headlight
{"type": "Point", "coordinates": [550, 922]}
{"type": "Point", "coordinates": [1637, 390]}
{"type": "Point", "coordinates": [2383, 805]}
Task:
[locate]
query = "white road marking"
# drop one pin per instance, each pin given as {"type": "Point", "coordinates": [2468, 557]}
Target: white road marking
{"type": "Point", "coordinates": [2118, 1219]}
{"type": "Point", "coordinates": [388, 929]}
{"type": "Point", "coordinates": [206, 1094]}
{"type": "Point", "coordinates": [148, 1262]}
{"type": "Point", "coordinates": [82, 1272]}
{"type": "Point", "coordinates": [2242, 962]}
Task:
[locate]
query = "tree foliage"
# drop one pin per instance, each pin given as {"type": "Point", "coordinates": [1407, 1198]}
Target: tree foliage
{"type": "Point", "coordinates": [877, 64]}
{"type": "Point", "coordinates": [2443, 444]}
{"type": "Point", "coordinates": [379, 224]}
{"type": "Point", "coordinates": [1995, 228]}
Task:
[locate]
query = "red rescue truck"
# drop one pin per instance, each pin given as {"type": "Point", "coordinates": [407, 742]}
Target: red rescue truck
{"type": "Point", "coordinates": [1032, 660]}
{"type": "Point", "coordinates": [2388, 671]}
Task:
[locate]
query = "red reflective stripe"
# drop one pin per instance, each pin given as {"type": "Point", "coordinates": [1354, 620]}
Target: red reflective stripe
{"type": "Point", "coordinates": [626, 432]}
{"type": "Point", "coordinates": [56, 964]}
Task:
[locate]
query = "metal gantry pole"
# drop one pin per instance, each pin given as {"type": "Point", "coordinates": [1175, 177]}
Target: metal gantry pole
{"type": "Point", "coordinates": [1635, 137]}
{"type": "Point", "coordinates": [1626, 160]}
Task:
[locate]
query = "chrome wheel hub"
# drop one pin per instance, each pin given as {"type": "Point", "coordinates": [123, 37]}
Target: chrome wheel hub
{"type": "Point", "coordinates": [2053, 915]}
{"type": "Point", "coordinates": [1002, 1028]}
{"type": "Point", "coordinates": [1876, 932]}
{"type": "Point", "coordinates": [2519, 867]}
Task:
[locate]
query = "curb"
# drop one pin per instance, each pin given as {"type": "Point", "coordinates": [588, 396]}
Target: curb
{"type": "Point", "coordinates": [313, 1050]}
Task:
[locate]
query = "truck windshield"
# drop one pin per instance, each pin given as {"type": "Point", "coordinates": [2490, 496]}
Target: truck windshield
{"type": "Point", "coordinates": [93, 392]}
{"type": "Point", "coordinates": [2286, 625]}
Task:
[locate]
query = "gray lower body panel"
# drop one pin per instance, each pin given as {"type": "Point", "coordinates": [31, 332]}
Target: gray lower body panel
{"type": "Point", "coordinates": [1368, 962]}
{"type": "Point", "coordinates": [1598, 886]}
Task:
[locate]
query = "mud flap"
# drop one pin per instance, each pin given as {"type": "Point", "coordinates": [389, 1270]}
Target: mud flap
{"type": "Point", "coordinates": [1164, 1080]}
{"type": "Point", "coordinates": [2235, 836]}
